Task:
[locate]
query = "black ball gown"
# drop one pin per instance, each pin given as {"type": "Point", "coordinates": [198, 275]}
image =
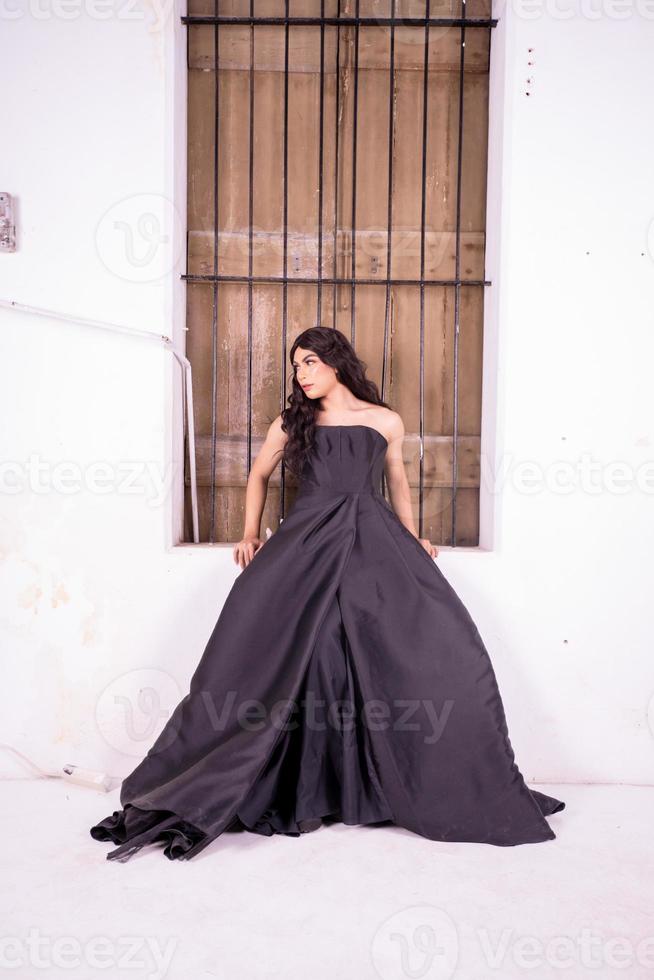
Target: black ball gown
{"type": "Point", "coordinates": [344, 679]}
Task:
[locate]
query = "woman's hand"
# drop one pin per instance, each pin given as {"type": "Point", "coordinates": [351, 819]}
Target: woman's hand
{"type": "Point", "coordinates": [246, 549]}
{"type": "Point", "coordinates": [430, 548]}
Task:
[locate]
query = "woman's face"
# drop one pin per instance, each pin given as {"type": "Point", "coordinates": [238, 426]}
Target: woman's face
{"type": "Point", "coordinates": [314, 376]}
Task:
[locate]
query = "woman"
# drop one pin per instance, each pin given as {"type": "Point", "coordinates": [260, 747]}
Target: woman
{"type": "Point", "coordinates": [342, 610]}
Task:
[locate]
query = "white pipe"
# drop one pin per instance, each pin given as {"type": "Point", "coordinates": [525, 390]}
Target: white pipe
{"type": "Point", "coordinates": [182, 360]}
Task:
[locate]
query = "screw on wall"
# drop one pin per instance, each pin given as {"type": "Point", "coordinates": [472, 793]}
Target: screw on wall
{"type": "Point", "coordinates": [530, 78]}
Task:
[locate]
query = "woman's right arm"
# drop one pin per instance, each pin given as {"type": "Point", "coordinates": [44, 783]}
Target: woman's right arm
{"type": "Point", "coordinates": [263, 465]}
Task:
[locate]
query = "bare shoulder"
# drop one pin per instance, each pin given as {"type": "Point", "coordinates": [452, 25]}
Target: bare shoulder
{"type": "Point", "coordinates": [271, 449]}
{"type": "Point", "coordinates": [391, 427]}
{"type": "Point", "coordinates": [275, 430]}
{"type": "Point", "coordinates": [390, 424]}
{"type": "Point", "coordinates": [276, 437]}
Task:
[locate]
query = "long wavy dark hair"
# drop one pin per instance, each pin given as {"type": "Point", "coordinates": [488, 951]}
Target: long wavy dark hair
{"type": "Point", "coordinates": [298, 419]}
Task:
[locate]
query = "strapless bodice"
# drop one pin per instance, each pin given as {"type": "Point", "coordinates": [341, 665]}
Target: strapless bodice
{"type": "Point", "coordinates": [345, 459]}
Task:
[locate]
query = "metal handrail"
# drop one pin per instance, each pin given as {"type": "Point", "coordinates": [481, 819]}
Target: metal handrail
{"type": "Point", "coordinates": [182, 360]}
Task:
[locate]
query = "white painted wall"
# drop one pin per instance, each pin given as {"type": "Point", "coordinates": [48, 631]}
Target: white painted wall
{"type": "Point", "coordinates": [97, 602]}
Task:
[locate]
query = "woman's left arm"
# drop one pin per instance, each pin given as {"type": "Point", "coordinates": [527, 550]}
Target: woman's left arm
{"type": "Point", "coordinates": [398, 484]}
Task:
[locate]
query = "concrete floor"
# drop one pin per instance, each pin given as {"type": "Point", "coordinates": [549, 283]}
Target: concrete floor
{"type": "Point", "coordinates": [341, 903]}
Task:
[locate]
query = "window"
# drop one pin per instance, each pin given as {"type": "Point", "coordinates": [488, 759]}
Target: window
{"type": "Point", "coordinates": [337, 175]}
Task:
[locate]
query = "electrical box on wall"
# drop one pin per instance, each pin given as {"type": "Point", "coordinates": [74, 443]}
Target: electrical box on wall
{"type": "Point", "coordinates": [7, 224]}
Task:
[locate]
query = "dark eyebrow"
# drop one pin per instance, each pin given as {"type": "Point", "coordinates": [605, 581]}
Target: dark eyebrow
{"type": "Point", "coordinates": [310, 354]}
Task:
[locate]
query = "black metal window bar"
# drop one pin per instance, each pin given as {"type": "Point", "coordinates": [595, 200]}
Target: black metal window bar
{"type": "Point", "coordinates": [463, 23]}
